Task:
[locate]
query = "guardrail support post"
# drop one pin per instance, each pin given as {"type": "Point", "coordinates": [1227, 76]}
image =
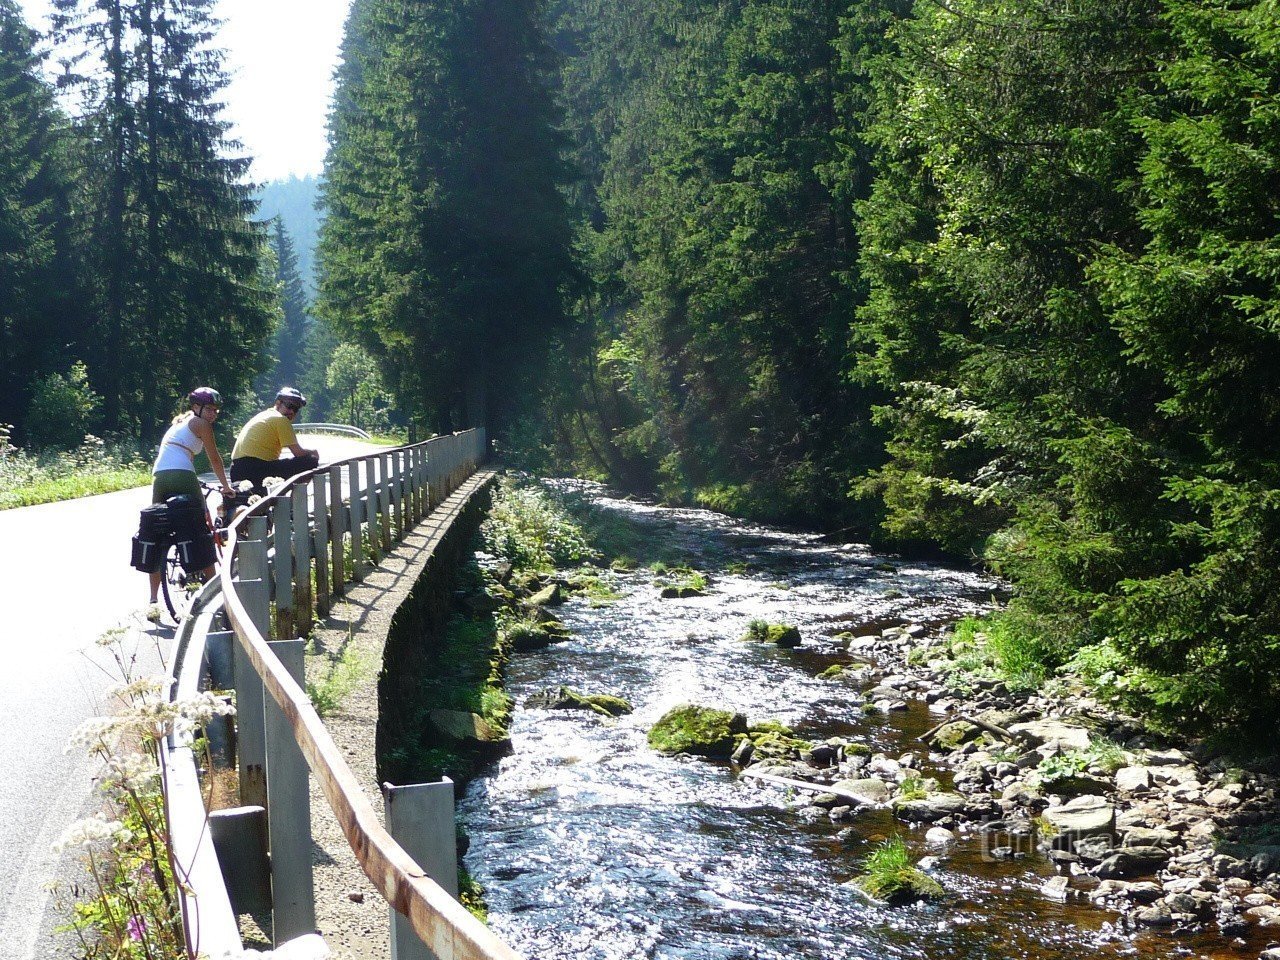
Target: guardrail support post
{"type": "Point", "coordinates": [240, 838]}
{"type": "Point", "coordinates": [337, 530]}
{"type": "Point", "coordinates": [384, 500]}
{"type": "Point", "coordinates": [301, 564]}
{"type": "Point", "coordinates": [371, 508]}
{"type": "Point", "coordinates": [356, 526]}
{"type": "Point", "coordinates": [293, 906]}
{"type": "Point", "coordinates": [251, 584]}
{"type": "Point", "coordinates": [283, 564]}
{"type": "Point", "coordinates": [420, 818]}
{"type": "Point", "coordinates": [320, 499]}
{"type": "Point", "coordinates": [397, 491]}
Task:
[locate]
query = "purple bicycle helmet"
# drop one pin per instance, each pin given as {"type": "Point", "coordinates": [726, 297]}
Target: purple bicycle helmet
{"type": "Point", "coordinates": [202, 396]}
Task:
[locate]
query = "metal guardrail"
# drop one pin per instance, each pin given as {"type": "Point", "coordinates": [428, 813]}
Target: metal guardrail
{"type": "Point", "coordinates": [279, 736]}
{"type": "Point", "coordinates": [332, 428]}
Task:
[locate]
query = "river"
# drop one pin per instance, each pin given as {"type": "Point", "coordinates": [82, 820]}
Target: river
{"type": "Point", "coordinates": [593, 846]}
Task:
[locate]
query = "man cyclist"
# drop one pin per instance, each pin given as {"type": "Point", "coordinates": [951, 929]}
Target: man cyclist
{"type": "Point", "coordinates": [261, 440]}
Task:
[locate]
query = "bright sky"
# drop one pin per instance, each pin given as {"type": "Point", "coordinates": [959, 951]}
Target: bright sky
{"type": "Point", "coordinates": [281, 55]}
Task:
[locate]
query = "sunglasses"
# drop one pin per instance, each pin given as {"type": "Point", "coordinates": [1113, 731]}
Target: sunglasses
{"type": "Point", "coordinates": [291, 408]}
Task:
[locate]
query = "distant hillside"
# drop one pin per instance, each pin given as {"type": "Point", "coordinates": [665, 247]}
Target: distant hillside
{"type": "Point", "coordinates": [294, 200]}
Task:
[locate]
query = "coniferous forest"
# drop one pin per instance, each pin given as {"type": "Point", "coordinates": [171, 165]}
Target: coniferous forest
{"type": "Point", "coordinates": [995, 280]}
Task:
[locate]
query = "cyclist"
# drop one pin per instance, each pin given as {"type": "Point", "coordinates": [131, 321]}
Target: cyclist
{"type": "Point", "coordinates": [261, 441]}
{"type": "Point", "coordinates": [174, 473]}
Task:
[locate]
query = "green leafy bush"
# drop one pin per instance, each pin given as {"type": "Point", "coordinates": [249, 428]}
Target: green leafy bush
{"type": "Point", "coordinates": [63, 409]}
{"type": "Point", "coordinates": [529, 528]}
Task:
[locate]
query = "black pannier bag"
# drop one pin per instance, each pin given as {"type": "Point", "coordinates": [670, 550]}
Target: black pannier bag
{"type": "Point", "coordinates": [152, 541]}
{"type": "Point", "coordinates": [191, 533]}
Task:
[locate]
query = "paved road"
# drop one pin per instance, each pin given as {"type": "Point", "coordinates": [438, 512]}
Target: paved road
{"type": "Point", "coordinates": [64, 581]}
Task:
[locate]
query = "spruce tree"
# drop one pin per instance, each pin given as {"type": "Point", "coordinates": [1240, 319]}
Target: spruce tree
{"type": "Point", "coordinates": [38, 322]}
{"type": "Point", "coordinates": [445, 242]}
{"type": "Point", "coordinates": [291, 337]}
{"type": "Point", "coordinates": [178, 285]}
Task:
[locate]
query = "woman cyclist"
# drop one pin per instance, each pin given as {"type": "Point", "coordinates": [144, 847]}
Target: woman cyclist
{"type": "Point", "coordinates": [174, 472]}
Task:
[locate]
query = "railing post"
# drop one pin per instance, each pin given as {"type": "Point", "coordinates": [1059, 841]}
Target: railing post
{"type": "Point", "coordinates": [282, 563]}
{"type": "Point", "coordinates": [397, 491]}
{"type": "Point", "coordinates": [421, 480]}
{"type": "Point", "coordinates": [384, 500]}
{"type": "Point", "coordinates": [255, 592]}
{"type": "Point", "coordinates": [293, 906]}
{"type": "Point", "coordinates": [371, 508]}
{"type": "Point", "coordinates": [337, 530]}
{"type": "Point", "coordinates": [420, 818]}
{"type": "Point", "coordinates": [301, 564]}
{"type": "Point", "coordinates": [320, 501]}
{"type": "Point", "coordinates": [356, 527]}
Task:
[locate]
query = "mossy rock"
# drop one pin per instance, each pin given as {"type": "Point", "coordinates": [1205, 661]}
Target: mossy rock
{"type": "Point", "coordinates": [901, 887]}
{"type": "Point", "coordinates": [954, 735]}
{"type": "Point", "coordinates": [779, 634]}
{"type": "Point", "coordinates": [549, 596]}
{"type": "Point", "coordinates": [676, 592]}
{"type": "Point", "coordinates": [701, 731]}
{"type": "Point", "coordinates": [526, 636]}
{"type": "Point", "coordinates": [566, 698]}
{"type": "Point", "coordinates": [832, 673]}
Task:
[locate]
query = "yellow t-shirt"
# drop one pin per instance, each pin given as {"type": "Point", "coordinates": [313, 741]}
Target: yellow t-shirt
{"type": "Point", "coordinates": [264, 436]}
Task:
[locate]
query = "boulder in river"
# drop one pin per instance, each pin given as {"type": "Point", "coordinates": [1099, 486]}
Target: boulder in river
{"type": "Point", "coordinates": [566, 698]}
{"type": "Point", "coordinates": [890, 877]}
{"type": "Point", "coordinates": [1045, 732]}
{"type": "Point", "coordinates": [549, 596]}
{"type": "Point", "coordinates": [871, 789]}
{"type": "Point", "coordinates": [926, 809]}
{"type": "Point", "coordinates": [701, 731]}
{"type": "Point", "coordinates": [1132, 862]}
{"type": "Point", "coordinates": [1082, 817]}
{"type": "Point", "coordinates": [780, 634]}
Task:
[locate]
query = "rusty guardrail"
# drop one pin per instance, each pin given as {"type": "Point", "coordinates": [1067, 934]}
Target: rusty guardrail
{"type": "Point", "coordinates": [317, 529]}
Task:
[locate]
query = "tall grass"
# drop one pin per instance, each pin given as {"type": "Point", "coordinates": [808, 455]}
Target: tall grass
{"type": "Point", "coordinates": [31, 477]}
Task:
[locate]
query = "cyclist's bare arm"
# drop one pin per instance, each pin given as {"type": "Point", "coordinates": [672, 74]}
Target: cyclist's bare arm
{"type": "Point", "coordinates": [204, 431]}
{"type": "Point", "coordinates": [298, 450]}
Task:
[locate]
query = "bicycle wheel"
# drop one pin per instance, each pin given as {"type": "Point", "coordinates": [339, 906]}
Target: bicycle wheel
{"type": "Point", "coordinates": [178, 586]}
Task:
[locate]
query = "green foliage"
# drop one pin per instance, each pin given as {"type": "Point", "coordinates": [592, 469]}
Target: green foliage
{"type": "Point", "coordinates": [889, 874]}
{"type": "Point", "coordinates": [913, 788]}
{"type": "Point", "coordinates": [356, 389]}
{"type": "Point", "coordinates": [64, 409]}
{"type": "Point", "coordinates": [341, 676]}
{"type": "Point", "coordinates": [528, 528]}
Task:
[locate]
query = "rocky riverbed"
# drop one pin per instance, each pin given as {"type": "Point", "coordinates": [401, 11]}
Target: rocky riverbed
{"type": "Point", "coordinates": [1054, 823]}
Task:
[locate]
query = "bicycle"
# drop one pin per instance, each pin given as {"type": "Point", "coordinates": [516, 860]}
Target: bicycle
{"type": "Point", "coordinates": [178, 584]}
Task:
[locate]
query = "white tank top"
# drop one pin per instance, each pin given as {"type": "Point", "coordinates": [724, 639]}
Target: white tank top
{"type": "Point", "coordinates": [178, 449]}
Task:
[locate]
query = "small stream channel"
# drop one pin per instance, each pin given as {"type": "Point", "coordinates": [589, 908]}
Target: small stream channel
{"type": "Point", "coordinates": [592, 845]}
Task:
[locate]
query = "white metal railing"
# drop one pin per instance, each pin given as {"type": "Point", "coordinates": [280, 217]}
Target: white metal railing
{"type": "Point", "coordinates": [332, 428]}
{"type": "Point", "coordinates": [361, 505]}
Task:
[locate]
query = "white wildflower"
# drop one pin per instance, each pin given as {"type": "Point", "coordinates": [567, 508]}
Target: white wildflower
{"type": "Point", "coordinates": [271, 483]}
{"type": "Point", "coordinates": [94, 733]}
{"type": "Point", "coordinates": [91, 830]}
{"type": "Point", "coordinates": [131, 770]}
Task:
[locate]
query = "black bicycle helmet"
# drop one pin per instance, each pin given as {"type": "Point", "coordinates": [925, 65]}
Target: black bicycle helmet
{"type": "Point", "coordinates": [202, 396]}
{"type": "Point", "coordinates": [292, 396]}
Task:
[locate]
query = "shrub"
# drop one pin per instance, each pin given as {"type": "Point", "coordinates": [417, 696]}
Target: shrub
{"type": "Point", "coordinates": [527, 527]}
{"type": "Point", "coordinates": [63, 409]}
